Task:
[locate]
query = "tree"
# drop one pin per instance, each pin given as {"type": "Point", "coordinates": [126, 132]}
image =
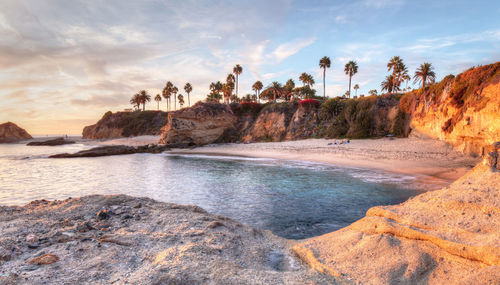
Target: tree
{"type": "Point", "coordinates": [306, 79]}
{"type": "Point", "coordinates": [388, 83]}
{"type": "Point", "coordinates": [356, 87]}
{"type": "Point", "coordinates": [399, 70]}
{"type": "Point", "coordinates": [350, 69]}
{"type": "Point", "coordinates": [288, 89]}
{"type": "Point", "coordinates": [181, 100]}
{"type": "Point", "coordinates": [274, 91]}
{"type": "Point", "coordinates": [423, 73]}
{"type": "Point", "coordinates": [227, 91]}
{"type": "Point", "coordinates": [174, 92]}
{"type": "Point", "coordinates": [167, 92]}
{"type": "Point", "coordinates": [136, 101]}
{"type": "Point", "coordinates": [257, 86]}
{"type": "Point", "coordinates": [373, 92]}
{"type": "Point", "coordinates": [158, 99]}
{"type": "Point", "coordinates": [188, 88]}
{"type": "Point", "coordinates": [324, 63]}
{"type": "Point", "coordinates": [215, 88]}
{"type": "Point", "coordinates": [145, 97]}
{"type": "Point", "coordinates": [237, 70]}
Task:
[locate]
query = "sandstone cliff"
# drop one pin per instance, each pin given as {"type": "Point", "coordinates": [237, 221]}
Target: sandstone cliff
{"type": "Point", "coordinates": [448, 236]}
{"type": "Point", "coordinates": [126, 124]}
{"type": "Point", "coordinates": [201, 124]}
{"type": "Point", "coordinates": [10, 132]}
{"type": "Point", "coordinates": [462, 110]}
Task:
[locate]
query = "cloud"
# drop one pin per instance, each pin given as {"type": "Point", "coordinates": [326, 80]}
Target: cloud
{"type": "Point", "coordinates": [382, 3]}
{"type": "Point", "coordinates": [288, 49]}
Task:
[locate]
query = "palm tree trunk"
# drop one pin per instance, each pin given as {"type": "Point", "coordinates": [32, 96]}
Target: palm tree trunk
{"type": "Point", "coordinates": [175, 103]}
{"type": "Point", "coordinates": [158, 105]}
{"type": "Point", "coordinates": [144, 106]}
{"type": "Point", "coordinates": [350, 76]}
{"type": "Point", "coordinates": [236, 84]}
{"type": "Point", "coordinates": [189, 102]}
{"type": "Point", "coordinates": [324, 88]}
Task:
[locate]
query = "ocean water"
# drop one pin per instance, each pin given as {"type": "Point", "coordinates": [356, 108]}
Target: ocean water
{"type": "Point", "coordinates": [292, 199]}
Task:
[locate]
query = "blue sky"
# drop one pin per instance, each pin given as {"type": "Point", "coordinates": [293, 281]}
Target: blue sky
{"type": "Point", "coordinates": [64, 63]}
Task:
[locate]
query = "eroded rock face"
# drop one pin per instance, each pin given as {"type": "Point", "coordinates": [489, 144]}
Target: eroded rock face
{"type": "Point", "coordinates": [470, 121]}
{"type": "Point", "coordinates": [272, 123]}
{"type": "Point", "coordinates": [10, 132]}
{"type": "Point", "coordinates": [139, 241]}
{"type": "Point", "coordinates": [53, 142]}
{"type": "Point", "coordinates": [448, 236]}
{"type": "Point", "coordinates": [304, 123]}
{"type": "Point", "coordinates": [204, 123]}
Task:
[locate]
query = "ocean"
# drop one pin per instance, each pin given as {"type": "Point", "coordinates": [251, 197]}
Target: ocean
{"type": "Point", "coordinates": [293, 199]}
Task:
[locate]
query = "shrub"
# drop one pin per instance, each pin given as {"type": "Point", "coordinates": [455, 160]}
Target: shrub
{"type": "Point", "coordinates": [309, 102]}
{"type": "Point", "coordinates": [246, 108]}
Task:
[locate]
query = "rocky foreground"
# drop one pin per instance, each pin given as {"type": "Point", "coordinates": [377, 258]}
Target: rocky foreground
{"type": "Point", "coordinates": [448, 236]}
{"type": "Point", "coordinates": [121, 239]}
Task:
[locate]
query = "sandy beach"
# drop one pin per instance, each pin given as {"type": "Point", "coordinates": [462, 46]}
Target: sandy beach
{"type": "Point", "coordinates": [431, 160]}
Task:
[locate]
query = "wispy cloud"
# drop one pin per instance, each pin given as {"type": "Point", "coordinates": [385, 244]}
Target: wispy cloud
{"type": "Point", "coordinates": [288, 49]}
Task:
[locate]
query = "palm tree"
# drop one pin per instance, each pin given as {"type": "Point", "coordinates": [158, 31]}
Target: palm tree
{"type": "Point", "coordinates": [423, 73]}
{"type": "Point", "coordinates": [388, 83]}
{"type": "Point", "coordinates": [324, 63]}
{"type": "Point", "coordinates": [356, 87]}
{"type": "Point", "coordinates": [136, 101]}
{"type": "Point", "coordinates": [181, 100]}
{"type": "Point", "coordinates": [227, 90]}
{"type": "Point", "coordinates": [237, 70]}
{"type": "Point", "coordinates": [167, 92]}
{"type": "Point", "coordinates": [188, 88]}
{"type": "Point", "coordinates": [276, 89]}
{"type": "Point", "coordinates": [145, 97]}
{"type": "Point", "coordinates": [306, 79]}
{"type": "Point", "coordinates": [257, 86]}
{"type": "Point", "coordinates": [350, 69]}
{"type": "Point", "coordinates": [398, 68]}
{"type": "Point", "coordinates": [288, 89]}
{"type": "Point", "coordinates": [158, 99]}
{"type": "Point", "coordinates": [174, 92]}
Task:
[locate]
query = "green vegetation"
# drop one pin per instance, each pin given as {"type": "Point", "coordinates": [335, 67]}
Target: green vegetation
{"type": "Point", "coordinates": [423, 73]}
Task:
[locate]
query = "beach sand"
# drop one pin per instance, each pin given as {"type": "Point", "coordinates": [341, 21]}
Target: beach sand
{"type": "Point", "coordinates": [433, 162]}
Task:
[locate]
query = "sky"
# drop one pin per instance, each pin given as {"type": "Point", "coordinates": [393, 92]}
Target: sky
{"type": "Point", "coordinates": [64, 63]}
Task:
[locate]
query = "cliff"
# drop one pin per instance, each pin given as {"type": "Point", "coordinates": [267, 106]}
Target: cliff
{"type": "Point", "coordinates": [10, 132]}
{"type": "Point", "coordinates": [201, 124]}
{"type": "Point", "coordinates": [126, 124]}
{"type": "Point", "coordinates": [462, 110]}
{"type": "Point", "coordinates": [449, 236]}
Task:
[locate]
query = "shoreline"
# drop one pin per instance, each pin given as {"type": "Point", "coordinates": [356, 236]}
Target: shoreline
{"type": "Point", "coordinates": [431, 162]}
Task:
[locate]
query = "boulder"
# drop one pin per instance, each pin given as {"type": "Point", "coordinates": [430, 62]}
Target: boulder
{"type": "Point", "coordinates": [204, 123]}
{"type": "Point", "coordinates": [10, 132]}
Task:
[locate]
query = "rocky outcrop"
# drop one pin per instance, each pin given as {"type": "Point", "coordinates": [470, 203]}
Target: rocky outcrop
{"type": "Point", "coordinates": [462, 110]}
{"type": "Point", "coordinates": [126, 124]}
{"type": "Point", "coordinates": [125, 240]}
{"type": "Point", "coordinates": [204, 123]}
{"type": "Point", "coordinates": [10, 132]}
{"type": "Point", "coordinates": [272, 123]}
{"type": "Point", "coordinates": [113, 150]}
{"type": "Point", "coordinates": [448, 236]}
{"type": "Point", "coordinates": [53, 142]}
{"type": "Point", "coordinates": [304, 123]}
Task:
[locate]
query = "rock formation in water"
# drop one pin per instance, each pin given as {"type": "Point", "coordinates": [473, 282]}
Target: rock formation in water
{"type": "Point", "coordinates": [10, 132]}
{"type": "Point", "coordinates": [447, 236]}
{"type": "Point", "coordinates": [126, 240]}
{"type": "Point", "coordinates": [201, 124]}
{"type": "Point", "coordinates": [126, 124]}
{"type": "Point", "coordinates": [113, 150]}
{"type": "Point", "coordinates": [52, 142]}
